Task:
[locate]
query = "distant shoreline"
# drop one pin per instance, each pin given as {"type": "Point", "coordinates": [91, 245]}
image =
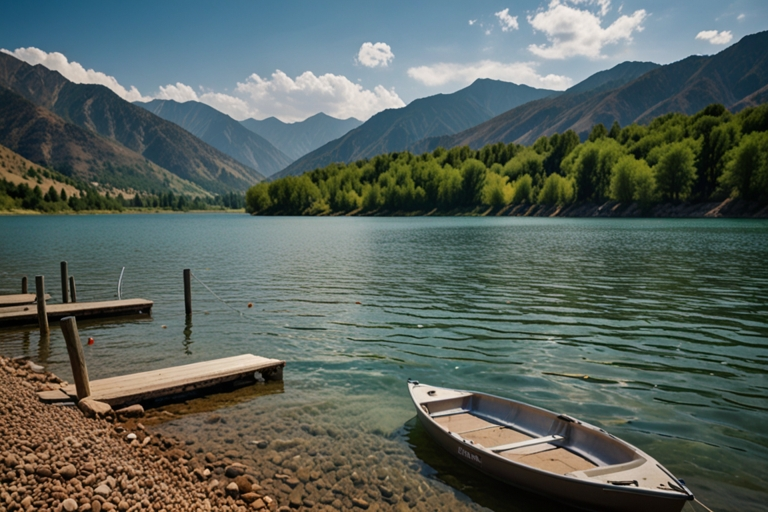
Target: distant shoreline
{"type": "Point", "coordinates": [729, 208]}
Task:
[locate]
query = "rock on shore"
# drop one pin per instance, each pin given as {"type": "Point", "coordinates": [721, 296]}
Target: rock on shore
{"type": "Point", "coordinates": [54, 458]}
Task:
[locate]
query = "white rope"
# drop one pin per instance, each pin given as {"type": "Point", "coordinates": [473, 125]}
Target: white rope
{"type": "Point", "coordinates": [212, 293]}
{"type": "Point", "coordinates": [703, 505]}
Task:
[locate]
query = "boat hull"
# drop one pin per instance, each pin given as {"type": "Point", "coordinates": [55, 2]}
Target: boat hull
{"type": "Point", "coordinates": [576, 492]}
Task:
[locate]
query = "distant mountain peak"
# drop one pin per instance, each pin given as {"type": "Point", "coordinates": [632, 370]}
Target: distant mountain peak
{"type": "Point", "coordinates": [222, 132]}
{"type": "Point", "coordinates": [441, 114]}
{"type": "Point", "coordinates": [299, 138]}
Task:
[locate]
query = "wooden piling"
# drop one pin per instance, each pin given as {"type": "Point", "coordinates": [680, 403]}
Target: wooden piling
{"type": "Point", "coordinates": [64, 283]}
{"type": "Point", "coordinates": [42, 316]}
{"type": "Point", "coordinates": [24, 287]}
{"type": "Point", "coordinates": [187, 291]}
{"type": "Point", "coordinates": [72, 289]}
{"type": "Point", "coordinates": [76, 357]}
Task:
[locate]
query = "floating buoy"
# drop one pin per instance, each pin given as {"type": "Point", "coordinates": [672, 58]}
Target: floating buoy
{"type": "Point", "coordinates": [358, 302]}
{"type": "Point", "coordinates": [165, 326]}
{"type": "Point", "coordinates": [90, 341]}
{"type": "Point", "coordinates": [250, 304]}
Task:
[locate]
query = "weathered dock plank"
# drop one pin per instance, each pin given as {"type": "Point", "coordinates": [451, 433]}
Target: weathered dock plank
{"type": "Point", "coordinates": [20, 315]}
{"type": "Point", "coordinates": [138, 387]}
{"type": "Point", "coordinates": [19, 299]}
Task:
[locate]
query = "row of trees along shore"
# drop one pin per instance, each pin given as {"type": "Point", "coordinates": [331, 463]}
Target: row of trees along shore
{"type": "Point", "coordinates": [86, 198]}
{"type": "Point", "coordinates": [711, 155]}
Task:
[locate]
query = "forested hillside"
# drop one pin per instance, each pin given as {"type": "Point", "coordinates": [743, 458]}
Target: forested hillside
{"type": "Point", "coordinates": [712, 154]}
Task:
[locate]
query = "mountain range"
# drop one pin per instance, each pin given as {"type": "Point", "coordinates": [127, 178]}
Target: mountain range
{"type": "Point", "coordinates": [88, 131]}
{"type": "Point", "coordinates": [298, 139]}
{"type": "Point", "coordinates": [222, 132]}
{"type": "Point", "coordinates": [442, 114]}
{"type": "Point", "coordinates": [41, 136]}
{"type": "Point", "coordinates": [736, 77]}
{"type": "Point", "coordinates": [99, 110]}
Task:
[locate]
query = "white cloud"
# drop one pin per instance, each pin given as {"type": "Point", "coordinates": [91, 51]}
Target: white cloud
{"type": "Point", "coordinates": [472, 22]}
{"type": "Point", "coordinates": [179, 92]}
{"type": "Point", "coordinates": [375, 55]}
{"type": "Point", "coordinates": [741, 17]}
{"type": "Point", "coordinates": [295, 99]}
{"type": "Point", "coordinates": [715, 37]}
{"type": "Point", "coordinates": [279, 96]}
{"type": "Point", "coordinates": [573, 31]}
{"type": "Point", "coordinates": [74, 72]}
{"type": "Point", "coordinates": [506, 21]}
{"type": "Point", "coordinates": [517, 72]}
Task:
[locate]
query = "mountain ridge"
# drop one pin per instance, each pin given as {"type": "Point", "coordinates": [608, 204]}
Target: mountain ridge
{"type": "Point", "coordinates": [728, 77]}
{"type": "Point", "coordinates": [222, 132]}
{"type": "Point", "coordinates": [98, 109]}
{"type": "Point", "coordinates": [46, 139]}
{"type": "Point", "coordinates": [298, 139]}
{"type": "Point", "coordinates": [395, 129]}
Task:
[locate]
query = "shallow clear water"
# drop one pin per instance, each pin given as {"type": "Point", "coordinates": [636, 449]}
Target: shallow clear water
{"type": "Point", "coordinates": [668, 319]}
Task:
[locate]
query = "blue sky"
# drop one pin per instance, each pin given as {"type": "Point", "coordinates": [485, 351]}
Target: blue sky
{"type": "Point", "coordinates": [292, 59]}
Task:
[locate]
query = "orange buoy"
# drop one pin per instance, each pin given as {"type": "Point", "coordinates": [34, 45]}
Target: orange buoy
{"type": "Point", "coordinates": [358, 302]}
{"type": "Point", "coordinates": [90, 341]}
{"type": "Point", "coordinates": [250, 304]}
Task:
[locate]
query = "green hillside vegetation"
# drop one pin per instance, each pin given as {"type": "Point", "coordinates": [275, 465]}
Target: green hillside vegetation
{"type": "Point", "coordinates": [54, 199]}
{"type": "Point", "coordinates": [711, 155]}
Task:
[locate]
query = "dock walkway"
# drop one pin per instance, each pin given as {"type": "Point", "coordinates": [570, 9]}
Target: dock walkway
{"type": "Point", "coordinates": [138, 387]}
{"type": "Point", "coordinates": [27, 315]}
{"type": "Point", "coordinates": [19, 299]}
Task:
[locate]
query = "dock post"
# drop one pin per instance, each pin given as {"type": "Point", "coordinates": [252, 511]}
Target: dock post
{"type": "Point", "coordinates": [76, 356]}
{"type": "Point", "coordinates": [24, 287]}
{"type": "Point", "coordinates": [42, 316]}
{"type": "Point", "coordinates": [187, 291]}
{"type": "Point", "coordinates": [72, 289]}
{"type": "Point", "coordinates": [64, 283]}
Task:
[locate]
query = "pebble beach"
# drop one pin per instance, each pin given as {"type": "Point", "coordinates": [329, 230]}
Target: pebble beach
{"type": "Point", "coordinates": [53, 457]}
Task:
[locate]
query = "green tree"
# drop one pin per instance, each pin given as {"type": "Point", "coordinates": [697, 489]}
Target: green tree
{"type": "Point", "coordinates": [257, 198]}
{"type": "Point", "coordinates": [556, 190]}
{"type": "Point", "coordinates": [562, 145]}
{"type": "Point", "coordinates": [473, 180]}
{"type": "Point", "coordinates": [675, 172]}
{"type": "Point", "coordinates": [598, 132]}
{"type": "Point", "coordinates": [615, 131]}
{"type": "Point", "coordinates": [51, 196]}
{"type": "Point", "coordinates": [496, 192]}
{"type": "Point", "coordinates": [632, 180]}
{"type": "Point", "coordinates": [747, 170]}
{"type": "Point", "coordinates": [523, 190]}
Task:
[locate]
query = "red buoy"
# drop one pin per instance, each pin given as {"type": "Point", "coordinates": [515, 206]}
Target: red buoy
{"type": "Point", "coordinates": [90, 341]}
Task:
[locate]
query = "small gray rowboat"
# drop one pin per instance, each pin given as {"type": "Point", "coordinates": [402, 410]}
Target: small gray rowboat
{"type": "Point", "coordinates": [550, 454]}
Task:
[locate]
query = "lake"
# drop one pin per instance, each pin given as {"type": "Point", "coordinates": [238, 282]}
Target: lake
{"type": "Point", "coordinates": [654, 329]}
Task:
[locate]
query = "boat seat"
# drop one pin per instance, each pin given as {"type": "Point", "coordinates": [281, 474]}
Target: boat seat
{"type": "Point", "coordinates": [527, 443]}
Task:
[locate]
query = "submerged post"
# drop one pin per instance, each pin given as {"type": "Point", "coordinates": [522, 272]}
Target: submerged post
{"type": "Point", "coordinates": [187, 291]}
{"type": "Point", "coordinates": [24, 287]}
{"type": "Point", "coordinates": [64, 283]}
{"type": "Point", "coordinates": [72, 290]}
{"type": "Point", "coordinates": [42, 316]}
{"type": "Point", "coordinates": [76, 356]}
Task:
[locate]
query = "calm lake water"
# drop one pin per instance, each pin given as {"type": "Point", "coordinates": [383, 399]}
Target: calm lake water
{"type": "Point", "coordinates": [667, 319]}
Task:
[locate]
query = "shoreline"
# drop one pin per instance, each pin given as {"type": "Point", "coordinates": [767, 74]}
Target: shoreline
{"type": "Point", "coordinates": [52, 457]}
{"type": "Point", "coordinates": [726, 209]}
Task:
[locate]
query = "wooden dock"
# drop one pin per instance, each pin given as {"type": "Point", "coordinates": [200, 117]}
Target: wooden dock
{"type": "Point", "coordinates": [19, 299]}
{"type": "Point", "coordinates": [27, 315]}
{"type": "Point", "coordinates": [138, 387]}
